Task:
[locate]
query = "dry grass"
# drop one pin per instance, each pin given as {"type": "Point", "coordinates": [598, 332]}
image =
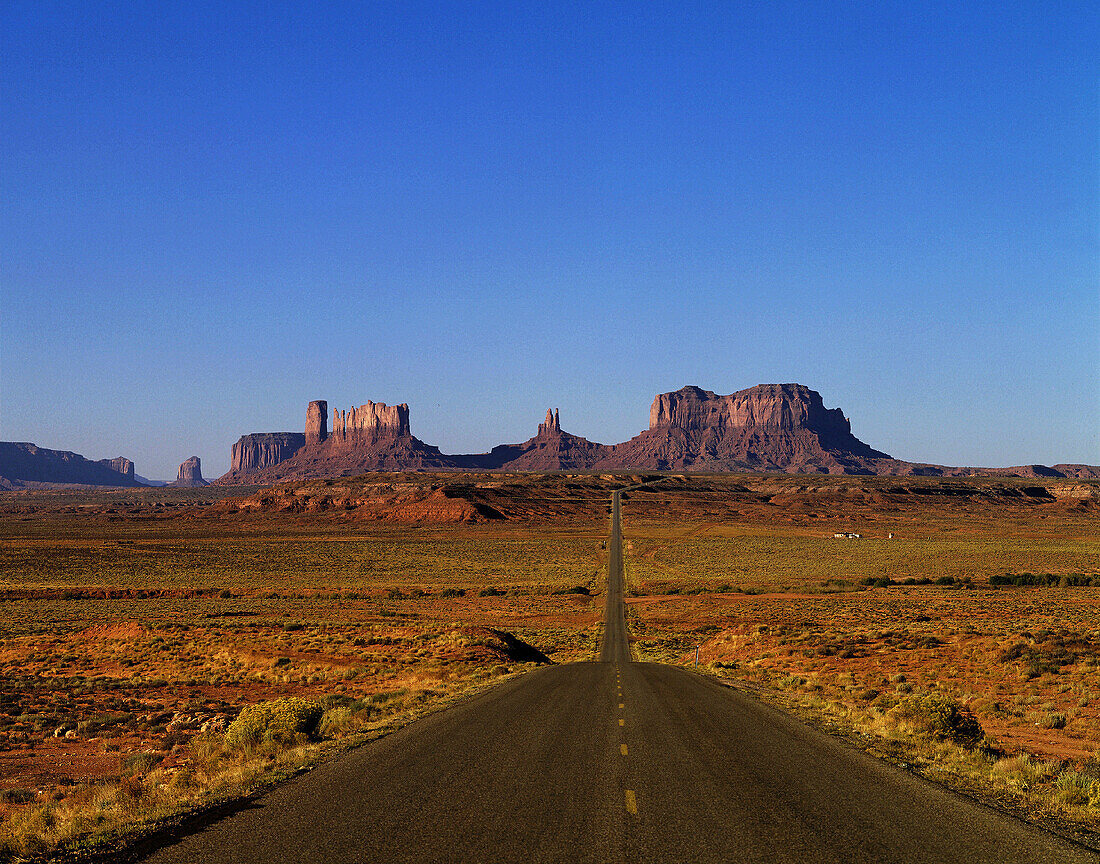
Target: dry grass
{"type": "Point", "coordinates": [784, 609]}
{"type": "Point", "coordinates": [138, 624]}
{"type": "Point", "coordinates": [129, 644]}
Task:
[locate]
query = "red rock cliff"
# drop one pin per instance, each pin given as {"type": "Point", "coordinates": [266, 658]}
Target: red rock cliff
{"type": "Point", "coordinates": [766, 406]}
{"type": "Point", "coordinates": [317, 422]}
{"type": "Point", "coordinates": [262, 450]}
{"type": "Point", "coordinates": [370, 421]}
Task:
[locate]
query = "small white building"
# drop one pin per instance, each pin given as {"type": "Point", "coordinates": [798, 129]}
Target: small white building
{"type": "Point", "coordinates": [847, 535]}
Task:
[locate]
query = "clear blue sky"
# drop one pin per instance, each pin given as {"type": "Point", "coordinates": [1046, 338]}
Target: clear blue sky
{"type": "Point", "coordinates": [212, 213]}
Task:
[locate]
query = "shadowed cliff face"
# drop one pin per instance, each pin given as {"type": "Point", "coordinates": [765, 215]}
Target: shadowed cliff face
{"type": "Point", "coordinates": [23, 463]}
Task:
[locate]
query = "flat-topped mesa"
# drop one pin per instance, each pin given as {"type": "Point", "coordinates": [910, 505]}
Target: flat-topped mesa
{"type": "Point", "coordinates": [552, 426]}
{"type": "Point", "coordinates": [120, 464]}
{"type": "Point", "coordinates": [371, 421]}
{"type": "Point", "coordinates": [317, 422]}
{"type": "Point", "coordinates": [786, 407]}
{"type": "Point", "coordinates": [262, 450]}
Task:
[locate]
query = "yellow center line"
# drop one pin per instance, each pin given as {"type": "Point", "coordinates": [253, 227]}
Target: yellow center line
{"type": "Point", "coordinates": [622, 705]}
{"type": "Point", "coordinates": [631, 802]}
{"type": "Point", "coordinates": [622, 749]}
{"type": "Point", "coordinates": [622, 722]}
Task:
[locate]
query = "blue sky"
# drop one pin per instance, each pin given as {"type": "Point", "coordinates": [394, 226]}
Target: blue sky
{"type": "Point", "coordinates": [213, 213]}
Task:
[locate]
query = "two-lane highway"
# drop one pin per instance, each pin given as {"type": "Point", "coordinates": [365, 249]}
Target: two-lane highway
{"type": "Point", "coordinates": [615, 647]}
{"type": "Point", "coordinates": [615, 761]}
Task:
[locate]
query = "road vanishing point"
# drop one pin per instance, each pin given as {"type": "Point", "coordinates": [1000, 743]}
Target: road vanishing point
{"type": "Point", "coordinates": [613, 761]}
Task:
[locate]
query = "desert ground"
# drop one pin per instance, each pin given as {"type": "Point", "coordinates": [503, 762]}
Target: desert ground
{"type": "Point", "coordinates": [137, 625]}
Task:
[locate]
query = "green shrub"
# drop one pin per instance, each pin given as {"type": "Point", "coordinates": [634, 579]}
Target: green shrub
{"type": "Point", "coordinates": [940, 716]}
{"type": "Point", "coordinates": [281, 721]}
{"type": "Point", "coordinates": [139, 763]}
{"type": "Point", "coordinates": [1075, 789]}
{"type": "Point", "coordinates": [490, 592]}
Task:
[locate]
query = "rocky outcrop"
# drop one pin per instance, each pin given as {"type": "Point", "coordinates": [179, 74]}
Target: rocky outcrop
{"type": "Point", "coordinates": [551, 426]}
{"type": "Point", "coordinates": [23, 465]}
{"type": "Point", "coordinates": [550, 450]}
{"type": "Point", "coordinates": [190, 474]}
{"type": "Point", "coordinates": [317, 422]}
{"type": "Point", "coordinates": [120, 464]}
{"type": "Point", "coordinates": [262, 450]}
{"type": "Point", "coordinates": [770, 427]}
{"type": "Point", "coordinates": [369, 422]}
{"type": "Point", "coordinates": [372, 437]}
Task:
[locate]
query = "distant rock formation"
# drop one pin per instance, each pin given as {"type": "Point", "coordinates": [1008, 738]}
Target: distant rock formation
{"type": "Point", "coordinates": [372, 437]}
{"type": "Point", "coordinates": [120, 464]}
{"type": "Point", "coordinates": [771, 427]}
{"type": "Point", "coordinates": [24, 465]}
{"type": "Point", "coordinates": [190, 474]}
{"type": "Point", "coordinates": [317, 422]}
{"type": "Point", "coordinates": [262, 450]}
{"type": "Point", "coordinates": [369, 422]}
{"type": "Point", "coordinates": [550, 450]}
{"type": "Point", "coordinates": [551, 426]}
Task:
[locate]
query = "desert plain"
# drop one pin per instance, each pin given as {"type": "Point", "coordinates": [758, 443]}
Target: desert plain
{"type": "Point", "coordinates": [956, 635]}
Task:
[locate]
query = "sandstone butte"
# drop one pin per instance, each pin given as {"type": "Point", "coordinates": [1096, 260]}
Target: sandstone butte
{"type": "Point", "coordinates": [782, 428]}
{"type": "Point", "coordinates": [190, 474]}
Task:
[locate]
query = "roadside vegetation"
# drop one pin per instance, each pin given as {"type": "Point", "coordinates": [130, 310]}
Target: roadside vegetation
{"type": "Point", "coordinates": [154, 667]}
{"type": "Point", "coordinates": [968, 651]}
{"type": "Point", "coordinates": [164, 651]}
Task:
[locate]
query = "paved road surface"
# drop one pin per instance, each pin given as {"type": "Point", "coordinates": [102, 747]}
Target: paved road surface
{"type": "Point", "coordinates": [614, 761]}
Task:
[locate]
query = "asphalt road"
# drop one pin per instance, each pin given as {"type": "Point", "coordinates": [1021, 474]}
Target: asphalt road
{"type": "Point", "coordinates": [614, 761]}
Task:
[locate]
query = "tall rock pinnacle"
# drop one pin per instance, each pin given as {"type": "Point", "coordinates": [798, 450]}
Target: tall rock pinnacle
{"type": "Point", "coordinates": [551, 426]}
{"type": "Point", "coordinates": [317, 422]}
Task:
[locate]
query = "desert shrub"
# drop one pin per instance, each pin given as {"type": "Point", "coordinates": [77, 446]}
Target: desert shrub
{"type": "Point", "coordinates": [1076, 789]}
{"type": "Point", "coordinates": [131, 788]}
{"type": "Point", "coordinates": [453, 592]}
{"type": "Point", "coordinates": [280, 721]}
{"type": "Point", "coordinates": [18, 796]}
{"type": "Point", "coordinates": [140, 763]}
{"type": "Point", "coordinates": [1053, 721]}
{"type": "Point", "coordinates": [335, 721]}
{"type": "Point", "coordinates": [939, 716]}
{"type": "Point", "coordinates": [171, 739]}
{"type": "Point", "coordinates": [1045, 580]}
{"type": "Point", "coordinates": [578, 589]}
{"type": "Point", "coordinates": [490, 592]}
